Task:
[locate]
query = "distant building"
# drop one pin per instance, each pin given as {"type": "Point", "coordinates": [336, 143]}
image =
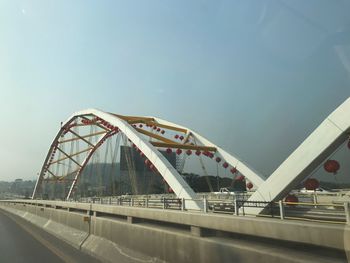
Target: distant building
{"type": "Point", "coordinates": [136, 177]}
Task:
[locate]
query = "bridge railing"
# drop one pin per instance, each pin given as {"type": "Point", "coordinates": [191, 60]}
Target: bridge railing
{"type": "Point", "coordinates": [324, 212]}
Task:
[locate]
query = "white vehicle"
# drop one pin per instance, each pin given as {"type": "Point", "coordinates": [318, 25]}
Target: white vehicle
{"type": "Point", "coordinates": [318, 190]}
{"type": "Point", "coordinates": [225, 191]}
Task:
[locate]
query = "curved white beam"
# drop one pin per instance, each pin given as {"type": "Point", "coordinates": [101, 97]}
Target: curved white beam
{"type": "Point", "coordinates": [326, 138]}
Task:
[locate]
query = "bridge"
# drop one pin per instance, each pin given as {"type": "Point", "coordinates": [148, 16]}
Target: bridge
{"type": "Point", "coordinates": [269, 221]}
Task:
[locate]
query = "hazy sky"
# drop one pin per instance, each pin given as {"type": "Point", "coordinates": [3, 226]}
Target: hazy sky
{"type": "Point", "coordinates": [255, 77]}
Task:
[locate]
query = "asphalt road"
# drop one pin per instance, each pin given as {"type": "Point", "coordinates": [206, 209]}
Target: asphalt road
{"type": "Point", "coordinates": [22, 242]}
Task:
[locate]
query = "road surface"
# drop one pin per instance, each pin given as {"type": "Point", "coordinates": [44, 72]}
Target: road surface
{"type": "Point", "coordinates": [22, 242]}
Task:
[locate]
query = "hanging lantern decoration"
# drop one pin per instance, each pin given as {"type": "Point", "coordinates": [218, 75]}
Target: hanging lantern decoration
{"type": "Point", "coordinates": [225, 165]}
{"type": "Point", "coordinates": [162, 132]}
{"type": "Point", "coordinates": [176, 136]}
{"type": "Point", "coordinates": [142, 154]}
{"type": "Point", "coordinates": [178, 151]}
{"type": "Point", "coordinates": [169, 151]}
{"type": "Point", "coordinates": [198, 152]}
{"type": "Point", "coordinates": [151, 167]}
{"type": "Point", "coordinates": [170, 190]}
{"type": "Point", "coordinates": [233, 170]}
{"type": "Point", "coordinates": [181, 137]}
{"type": "Point", "coordinates": [239, 178]}
{"type": "Point", "coordinates": [331, 166]}
{"type": "Point", "coordinates": [158, 129]}
{"type": "Point", "coordinates": [249, 185]}
{"type": "Point", "coordinates": [291, 199]}
{"type": "Point", "coordinates": [210, 155]}
{"type": "Point", "coordinates": [147, 162]}
{"type": "Point", "coordinates": [140, 125]}
{"type": "Point", "coordinates": [188, 152]}
{"type": "Point", "coordinates": [218, 159]}
{"type": "Point", "coordinates": [311, 184]}
{"type": "Point", "coordinates": [154, 127]}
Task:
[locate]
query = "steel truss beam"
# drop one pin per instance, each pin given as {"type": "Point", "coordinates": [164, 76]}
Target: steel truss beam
{"type": "Point", "coordinates": [183, 146]}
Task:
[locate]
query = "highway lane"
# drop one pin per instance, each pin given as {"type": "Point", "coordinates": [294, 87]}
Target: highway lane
{"type": "Point", "coordinates": [22, 242]}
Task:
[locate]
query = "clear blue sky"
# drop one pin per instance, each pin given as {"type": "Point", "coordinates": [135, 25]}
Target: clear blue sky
{"type": "Point", "coordinates": [255, 77]}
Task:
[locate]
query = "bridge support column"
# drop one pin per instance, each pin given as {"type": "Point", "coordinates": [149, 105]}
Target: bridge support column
{"type": "Point", "coordinates": [235, 205]}
{"type": "Point", "coordinates": [205, 205]}
{"type": "Point", "coordinates": [183, 207]}
{"type": "Point", "coordinates": [280, 203]}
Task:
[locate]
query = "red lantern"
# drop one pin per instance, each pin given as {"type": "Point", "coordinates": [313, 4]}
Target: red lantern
{"type": "Point", "coordinates": [198, 152]}
{"type": "Point", "coordinates": [188, 152]}
{"type": "Point", "coordinates": [249, 185]}
{"type": "Point", "coordinates": [176, 136]}
{"type": "Point", "coordinates": [206, 153]}
{"type": "Point", "coordinates": [151, 167]}
{"type": "Point", "coordinates": [331, 166]}
{"type": "Point", "coordinates": [311, 184]}
{"type": "Point", "coordinates": [210, 155]}
{"type": "Point", "coordinates": [240, 178]}
{"type": "Point", "coordinates": [169, 151]}
{"type": "Point", "coordinates": [181, 137]}
{"type": "Point", "coordinates": [154, 127]}
{"type": "Point", "coordinates": [147, 162]}
{"type": "Point", "coordinates": [225, 165]}
{"type": "Point", "coordinates": [170, 190]}
{"type": "Point", "coordinates": [218, 159]}
{"type": "Point", "coordinates": [233, 170]}
{"type": "Point", "coordinates": [158, 129]}
{"type": "Point", "coordinates": [178, 151]}
{"type": "Point", "coordinates": [291, 199]}
{"type": "Point", "coordinates": [140, 125]}
{"type": "Point", "coordinates": [162, 132]}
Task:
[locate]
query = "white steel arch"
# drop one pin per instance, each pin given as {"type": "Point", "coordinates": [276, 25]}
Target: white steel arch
{"type": "Point", "coordinates": [330, 134]}
{"type": "Point", "coordinates": [320, 144]}
{"type": "Point", "coordinates": [168, 172]}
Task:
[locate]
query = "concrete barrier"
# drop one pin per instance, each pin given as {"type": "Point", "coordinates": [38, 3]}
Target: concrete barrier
{"type": "Point", "coordinates": [173, 236]}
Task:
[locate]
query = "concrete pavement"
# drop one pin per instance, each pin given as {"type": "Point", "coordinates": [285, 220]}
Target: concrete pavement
{"type": "Point", "coordinates": [22, 242]}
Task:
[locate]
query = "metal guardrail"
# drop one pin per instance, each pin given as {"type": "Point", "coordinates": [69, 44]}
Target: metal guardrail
{"type": "Point", "coordinates": [326, 212]}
